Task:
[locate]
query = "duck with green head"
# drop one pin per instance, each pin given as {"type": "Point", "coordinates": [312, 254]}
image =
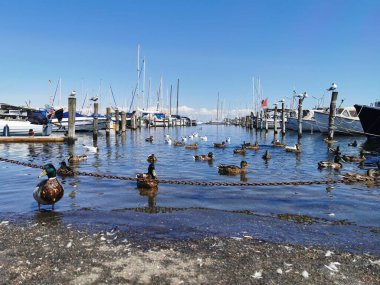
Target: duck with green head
{"type": "Point", "coordinates": [147, 180]}
{"type": "Point", "coordinates": [48, 191]}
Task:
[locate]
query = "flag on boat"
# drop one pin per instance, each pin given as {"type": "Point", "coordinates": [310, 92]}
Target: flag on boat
{"type": "Point", "coordinates": [264, 103]}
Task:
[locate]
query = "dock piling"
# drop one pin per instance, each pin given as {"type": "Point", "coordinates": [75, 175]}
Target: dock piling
{"type": "Point", "coordinates": [123, 122]}
{"type": "Point", "coordinates": [334, 97]}
{"type": "Point", "coordinates": [71, 120]}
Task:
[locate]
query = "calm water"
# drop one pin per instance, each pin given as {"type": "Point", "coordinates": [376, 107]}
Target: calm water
{"type": "Point", "coordinates": [347, 216]}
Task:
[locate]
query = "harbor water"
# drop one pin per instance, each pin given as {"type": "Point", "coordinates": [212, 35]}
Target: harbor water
{"type": "Point", "coordinates": [345, 216]}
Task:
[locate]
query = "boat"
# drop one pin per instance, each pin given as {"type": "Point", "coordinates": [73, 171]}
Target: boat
{"type": "Point", "coordinates": [346, 121]}
{"type": "Point", "coordinates": [83, 123]}
{"type": "Point", "coordinates": [370, 119]}
{"type": "Point", "coordinates": [24, 121]}
{"type": "Point", "coordinates": [308, 121]}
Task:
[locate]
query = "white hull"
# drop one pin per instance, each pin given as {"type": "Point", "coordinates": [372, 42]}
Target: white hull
{"type": "Point", "coordinates": [82, 124]}
{"type": "Point", "coordinates": [343, 125]}
{"type": "Point", "coordinates": [22, 128]}
{"type": "Point", "coordinates": [308, 125]}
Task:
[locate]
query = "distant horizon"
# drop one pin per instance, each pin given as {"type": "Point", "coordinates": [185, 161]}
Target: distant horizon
{"type": "Point", "coordinates": [220, 47]}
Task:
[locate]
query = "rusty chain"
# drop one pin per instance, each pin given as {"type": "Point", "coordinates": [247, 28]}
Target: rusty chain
{"type": "Point", "coordinates": [197, 183]}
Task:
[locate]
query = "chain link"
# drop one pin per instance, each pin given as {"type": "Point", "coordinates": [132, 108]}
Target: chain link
{"type": "Point", "coordinates": [200, 183]}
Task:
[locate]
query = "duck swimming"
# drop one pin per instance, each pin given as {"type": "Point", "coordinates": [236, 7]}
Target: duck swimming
{"type": "Point", "coordinates": [240, 150]}
{"type": "Point", "coordinates": [152, 158]}
{"type": "Point", "coordinates": [266, 155]}
{"type": "Point", "coordinates": [375, 173]}
{"type": "Point", "coordinates": [233, 169]}
{"type": "Point", "coordinates": [48, 191]}
{"type": "Point", "coordinates": [354, 143]}
{"type": "Point", "coordinates": [220, 145]}
{"type": "Point", "coordinates": [277, 143]}
{"type": "Point", "coordinates": [295, 148]}
{"type": "Point", "coordinates": [147, 180]}
{"type": "Point", "coordinates": [192, 146]}
{"type": "Point", "coordinates": [91, 148]}
{"type": "Point", "coordinates": [335, 151]}
{"type": "Point", "coordinates": [329, 164]}
{"type": "Point", "coordinates": [352, 158]}
{"type": "Point", "coordinates": [149, 139]}
{"type": "Point", "coordinates": [209, 156]}
{"type": "Point", "coordinates": [178, 143]}
{"type": "Point", "coordinates": [253, 146]}
{"type": "Point", "coordinates": [65, 170]}
{"type": "Point", "coordinates": [76, 158]}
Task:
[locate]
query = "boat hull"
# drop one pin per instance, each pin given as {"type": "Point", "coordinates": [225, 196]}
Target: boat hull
{"type": "Point", "coordinates": [343, 125]}
{"type": "Point", "coordinates": [82, 124]}
{"type": "Point", "coordinates": [307, 125]}
{"type": "Point", "coordinates": [370, 120]}
{"type": "Point", "coordinates": [22, 128]}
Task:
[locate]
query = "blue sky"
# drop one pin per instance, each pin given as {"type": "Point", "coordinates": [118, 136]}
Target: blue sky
{"type": "Point", "coordinates": [211, 46]}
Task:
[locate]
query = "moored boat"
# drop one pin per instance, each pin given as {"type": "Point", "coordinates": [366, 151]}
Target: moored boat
{"type": "Point", "coordinates": [82, 123]}
{"type": "Point", "coordinates": [370, 119]}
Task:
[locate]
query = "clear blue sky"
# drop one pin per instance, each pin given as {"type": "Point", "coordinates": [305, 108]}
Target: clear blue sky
{"type": "Point", "coordinates": [211, 46]}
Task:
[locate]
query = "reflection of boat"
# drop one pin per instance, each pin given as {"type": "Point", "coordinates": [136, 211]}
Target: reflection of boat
{"type": "Point", "coordinates": [308, 121]}
{"type": "Point", "coordinates": [346, 121]}
{"type": "Point", "coordinates": [82, 123]}
{"type": "Point", "coordinates": [370, 119]}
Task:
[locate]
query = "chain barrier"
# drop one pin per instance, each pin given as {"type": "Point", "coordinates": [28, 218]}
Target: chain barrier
{"type": "Point", "coordinates": [352, 179]}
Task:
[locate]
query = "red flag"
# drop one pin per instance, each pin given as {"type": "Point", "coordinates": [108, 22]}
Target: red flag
{"type": "Point", "coordinates": [264, 103]}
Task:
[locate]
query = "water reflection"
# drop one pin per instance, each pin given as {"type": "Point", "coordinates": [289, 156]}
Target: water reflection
{"type": "Point", "coordinates": [48, 217]}
{"type": "Point", "coordinates": [151, 194]}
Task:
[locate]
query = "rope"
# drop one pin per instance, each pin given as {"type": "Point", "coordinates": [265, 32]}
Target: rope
{"type": "Point", "coordinates": [198, 183]}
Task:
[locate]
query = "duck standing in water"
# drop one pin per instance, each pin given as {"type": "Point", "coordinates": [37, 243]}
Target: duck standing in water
{"type": "Point", "coordinates": [147, 180]}
{"type": "Point", "coordinates": [65, 170]}
{"type": "Point", "coordinates": [233, 169]}
{"type": "Point", "coordinates": [48, 191]}
{"type": "Point", "coordinates": [209, 156]}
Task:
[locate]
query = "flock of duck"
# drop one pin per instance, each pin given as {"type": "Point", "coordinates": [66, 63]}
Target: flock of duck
{"type": "Point", "coordinates": [50, 190]}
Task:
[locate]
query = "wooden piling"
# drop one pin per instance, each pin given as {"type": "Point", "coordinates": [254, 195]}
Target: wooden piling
{"type": "Point", "coordinates": [334, 97]}
{"type": "Point", "coordinates": [257, 120]}
{"type": "Point", "coordinates": [95, 122]}
{"type": "Point", "coordinates": [275, 119]}
{"type": "Point", "coordinates": [108, 112]}
{"type": "Point", "coordinates": [71, 120]}
{"type": "Point", "coordinates": [117, 123]}
{"type": "Point", "coordinates": [283, 128]}
{"type": "Point", "coordinates": [123, 122]}
{"type": "Point", "coordinates": [300, 100]}
{"type": "Point", "coordinates": [266, 120]}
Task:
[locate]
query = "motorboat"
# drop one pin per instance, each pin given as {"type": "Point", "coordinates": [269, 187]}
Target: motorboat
{"type": "Point", "coordinates": [308, 121]}
{"type": "Point", "coordinates": [83, 123]}
{"type": "Point", "coordinates": [370, 119]}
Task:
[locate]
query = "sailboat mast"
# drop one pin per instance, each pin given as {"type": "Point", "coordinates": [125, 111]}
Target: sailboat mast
{"type": "Point", "coordinates": [170, 104]}
{"type": "Point", "coordinates": [138, 76]}
{"type": "Point", "coordinates": [148, 99]}
{"type": "Point", "coordinates": [177, 94]}
{"type": "Point", "coordinates": [217, 109]}
{"type": "Point", "coordinates": [60, 92]}
{"type": "Point", "coordinates": [143, 90]}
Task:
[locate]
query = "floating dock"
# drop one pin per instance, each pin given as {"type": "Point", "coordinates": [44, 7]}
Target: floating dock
{"type": "Point", "coordinates": [22, 139]}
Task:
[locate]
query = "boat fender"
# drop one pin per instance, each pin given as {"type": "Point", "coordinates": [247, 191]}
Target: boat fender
{"type": "Point", "coordinates": [6, 131]}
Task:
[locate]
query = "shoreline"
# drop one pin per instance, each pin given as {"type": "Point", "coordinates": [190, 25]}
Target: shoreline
{"type": "Point", "coordinates": [51, 252]}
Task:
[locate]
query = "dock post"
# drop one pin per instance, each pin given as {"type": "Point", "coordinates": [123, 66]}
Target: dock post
{"type": "Point", "coordinates": [95, 122]}
{"type": "Point", "coordinates": [334, 97]}
{"type": "Point", "coordinates": [261, 119]}
{"type": "Point", "coordinates": [71, 119]}
{"type": "Point", "coordinates": [300, 100]}
{"type": "Point", "coordinates": [133, 122]}
{"type": "Point", "coordinates": [257, 120]}
{"type": "Point", "coordinates": [275, 119]}
{"type": "Point", "coordinates": [117, 123]}
{"type": "Point", "coordinates": [283, 128]}
{"type": "Point", "coordinates": [108, 113]}
{"type": "Point", "coordinates": [123, 121]}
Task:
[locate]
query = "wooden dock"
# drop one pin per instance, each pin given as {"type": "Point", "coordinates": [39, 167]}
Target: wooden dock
{"type": "Point", "coordinates": [39, 139]}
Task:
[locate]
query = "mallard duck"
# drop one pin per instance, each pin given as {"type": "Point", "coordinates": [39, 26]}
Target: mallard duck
{"type": "Point", "coordinates": [329, 164]}
{"type": "Point", "coordinates": [240, 150]}
{"type": "Point", "coordinates": [335, 151]}
{"type": "Point", "coordinates": [91, 148]}
{"type": "Point", "coordinates": [209, 156]}
{"type": "Point", "coordinates": [266, 155]}
{"type": "Point", "coordinates": [48, 191]}
{"type": "Point", "coordinates": [375, 173]}
{"type": "Point", "coordinates": [65, 170]}
{"type": "Point", "coordinates": [147, 180]}
{"type": "Point", "coordinates": [252, 146]}
{"type": "Point", "coordinates": [233, 169]}
{"type": "Point", "coordinates": [295, 148]}
{"type": "Point", "coordinates": [277, 143]}
{"type": "Point", "coordinates": [76, 158]}
{"type": "Point", "coordinates": [220, 145]}
{"type": "Point", "coordinates": [31, 133]}
{"type": "Point", "coordinates": [178, 143]}
{"type": "Point", "coordinates": [192, 146]}
{"type": "Point", "coordinates": [354, 143]}
{"type": "Point", "coordinates": [152, 158]}
{"type": "Point", "coordinates": [149, 139]}
{"type": "Point", "coordinates": [352, 158]}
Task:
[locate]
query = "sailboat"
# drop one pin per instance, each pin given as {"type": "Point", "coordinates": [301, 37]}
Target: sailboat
{"type": "Point", "coordinates": [217, 121]}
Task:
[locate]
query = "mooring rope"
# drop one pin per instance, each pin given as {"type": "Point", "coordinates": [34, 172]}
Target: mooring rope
{"type": "Point", "coordinates": [198, 183]}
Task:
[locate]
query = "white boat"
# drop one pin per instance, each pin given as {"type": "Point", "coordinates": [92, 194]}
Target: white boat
{"type": "Point", "coordinates": [23, 128]}
{"type": "Point", "coordinates": [82, 123]}
{"type": "Point", "coordinates": [308, 121]}
{"type": "Point", "coordinates": [346, 121]}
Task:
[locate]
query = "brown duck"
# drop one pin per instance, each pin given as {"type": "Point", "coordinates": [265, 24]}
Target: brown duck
{"type": "Point", "coordinates": [147, 180]}
{"type": "Point", "coordinates": [233, 169]}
